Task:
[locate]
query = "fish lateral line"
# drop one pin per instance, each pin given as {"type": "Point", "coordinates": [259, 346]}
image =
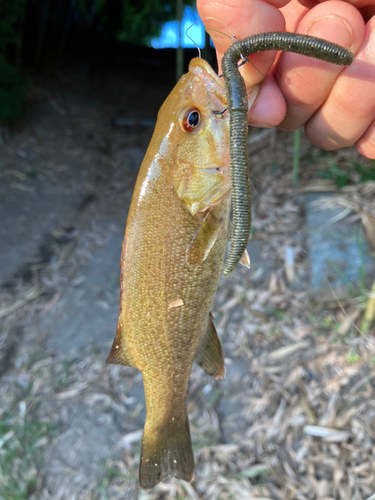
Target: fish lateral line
{"type": "Point", "coordinates": [310, 46]}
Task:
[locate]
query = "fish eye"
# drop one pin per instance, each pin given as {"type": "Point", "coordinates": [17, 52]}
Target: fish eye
{"type": "Point", "coordinates": [191, 119]}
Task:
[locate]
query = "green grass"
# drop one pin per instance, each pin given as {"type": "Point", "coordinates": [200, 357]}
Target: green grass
{"type": "Point", "coordinates": [214, 398]}
{"type": "Point", "coordinates": [276, 313]}
{"type": "Point", "coordinates": [112, 473]}
{"type": "Point", "coordinates": [352, 357]}
{"type": "Point", "coordinates": [206, 440]}
{"type": "Point", "coordinates": [353, 173]}
{"type": "Point", "coordinates": [21, 448]}
{"type": "Point", "coordinates": [260, 471]}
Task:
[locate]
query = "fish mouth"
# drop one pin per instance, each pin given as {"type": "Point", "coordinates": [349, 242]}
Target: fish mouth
{"type": "Point", "coordinates": [198, 62]}
{"type": "Point", "coordinates": [207, 76]}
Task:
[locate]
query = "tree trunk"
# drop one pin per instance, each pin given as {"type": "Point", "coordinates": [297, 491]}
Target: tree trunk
{"type": "Point", "coordinates": [180, 50]}
{"type": "Point", "coordinates": [42, 32]}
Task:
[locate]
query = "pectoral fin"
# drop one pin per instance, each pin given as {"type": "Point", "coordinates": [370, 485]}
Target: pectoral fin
{"type": "Point", "coordinates": [245, 259]}
{"type": "Point", "coordinates": [209, 355]}
{"type": "Point", "coordinates": [203, 241]}
{"type": "Point", "coordinates": [199, 188]}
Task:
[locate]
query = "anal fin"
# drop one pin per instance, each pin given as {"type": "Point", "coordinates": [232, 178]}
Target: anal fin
{"type": "Point", "coordinates": [210, 355]}
{"type": "Point", "coordinates": [118, 354]}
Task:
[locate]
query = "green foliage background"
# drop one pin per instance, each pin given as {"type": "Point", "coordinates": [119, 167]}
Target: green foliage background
{"type": "Point", "coordinates": [134, 21]}
{"type": "Point", "coordinates": [13, 90]}
{"type": "Point", "coordinates": [142, 21]}
{"type": "Point", "coordinates": [139, 21]}
{"type": "Point", "coordinates": [13, 85]}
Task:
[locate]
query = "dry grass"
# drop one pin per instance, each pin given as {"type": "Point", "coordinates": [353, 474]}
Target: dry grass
{"type": "Point", "coordinates": [294, 420]}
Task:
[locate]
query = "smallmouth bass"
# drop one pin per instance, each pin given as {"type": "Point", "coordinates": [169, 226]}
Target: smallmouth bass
{"type": "Point", "coordinates": [171, 262]}
{"type": "Point", "coordinates": [176, 235]}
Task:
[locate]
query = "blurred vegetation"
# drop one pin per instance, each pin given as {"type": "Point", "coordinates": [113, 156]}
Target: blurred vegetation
{"type": "Point", "coordinates": [143, 20]}
{"type": "Point", "coordinates": [22, 444]}
{"type": "Point", "coordinates": [13, 85]}
{"type": "Point", "coordinates": [347, 174]}
{"type": "Point", "coordinates": [13, 89]}
{"type": "Point", "coordinates": [45, 26]}
{"type": "Point", "coordinates": [139, 22]}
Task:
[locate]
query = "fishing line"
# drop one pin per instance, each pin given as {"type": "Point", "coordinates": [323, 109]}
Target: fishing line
{"type": "Point", "coordinates": [209, 18]}
{"type": "Point", "coordinates": [232, 37]}
{"type": "Point", "coordinates": [189, 37]}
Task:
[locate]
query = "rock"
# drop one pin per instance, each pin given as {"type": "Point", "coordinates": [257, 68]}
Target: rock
{"type": "Point", "coordinates": [339, 255]}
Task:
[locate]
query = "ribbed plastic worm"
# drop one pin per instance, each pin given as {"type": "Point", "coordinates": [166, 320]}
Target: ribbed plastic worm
{"type": "Point", "coordinates": [237, 106]}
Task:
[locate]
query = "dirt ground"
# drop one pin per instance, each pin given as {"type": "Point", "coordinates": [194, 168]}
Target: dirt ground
{"type": "Point", "coordinates": [294, 418]}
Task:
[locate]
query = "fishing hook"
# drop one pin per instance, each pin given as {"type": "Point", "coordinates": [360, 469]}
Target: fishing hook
{"type": "Point", "coordinates": [244, 61]}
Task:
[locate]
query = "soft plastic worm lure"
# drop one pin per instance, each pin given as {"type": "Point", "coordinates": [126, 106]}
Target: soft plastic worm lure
{"type": "Point", "coordinates": [237, 105]}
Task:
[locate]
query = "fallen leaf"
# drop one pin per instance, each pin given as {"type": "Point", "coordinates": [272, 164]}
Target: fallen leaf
{"type": "Point", "coordinates": [72, 392]}
{"type": "Point", "coordinates": [289, 349]}
{"type": "Point", "coordinates": [326, 433]}
{"type": "Point", "coordinates": [348, 321]}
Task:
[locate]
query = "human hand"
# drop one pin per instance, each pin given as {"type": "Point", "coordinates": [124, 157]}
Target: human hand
{"type": "Point", "coordinates": [335, 105]}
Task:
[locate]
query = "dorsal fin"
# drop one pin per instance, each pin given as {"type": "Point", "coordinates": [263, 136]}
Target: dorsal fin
{"type": "Point", "coordinates": [210, 355]}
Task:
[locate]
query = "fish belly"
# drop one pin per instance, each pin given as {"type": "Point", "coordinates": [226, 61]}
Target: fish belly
{"type": "Point", "coordinates": [164, 314]}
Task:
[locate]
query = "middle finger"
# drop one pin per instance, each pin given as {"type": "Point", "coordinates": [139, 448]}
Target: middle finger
{"type": "Point", "coordinates": [306, 83]}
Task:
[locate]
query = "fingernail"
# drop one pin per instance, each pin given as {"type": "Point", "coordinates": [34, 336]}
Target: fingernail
{"type": "Point", "coordinates": [333, 29]}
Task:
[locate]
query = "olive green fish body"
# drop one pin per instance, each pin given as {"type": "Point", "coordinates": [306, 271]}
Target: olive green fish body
{"type": "Point", "coordinates": [172, 257]}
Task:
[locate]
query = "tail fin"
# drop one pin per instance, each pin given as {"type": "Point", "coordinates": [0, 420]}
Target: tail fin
{"type": "Point", "coordinates": [166, 452]}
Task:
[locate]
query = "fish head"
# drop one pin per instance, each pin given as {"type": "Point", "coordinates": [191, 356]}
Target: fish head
{"type": "Point", "coordinates": [193, 119]}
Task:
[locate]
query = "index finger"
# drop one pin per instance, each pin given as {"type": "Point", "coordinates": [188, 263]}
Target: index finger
{"type": "Point", "coordinates": [241, 19]}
